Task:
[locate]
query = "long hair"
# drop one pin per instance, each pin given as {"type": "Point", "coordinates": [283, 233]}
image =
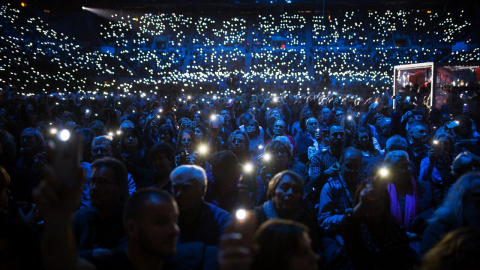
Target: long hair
{"type": "Point", "coordinates": [273, 184]}
{"type": "Point", "coordinates": [356, 141]}
{"type": "Point", "coordinates": [451, 209]}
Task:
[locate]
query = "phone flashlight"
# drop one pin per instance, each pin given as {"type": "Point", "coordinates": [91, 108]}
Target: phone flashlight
{"type": "Point", "coordinates": [110, 134]}
{"type": "Point", "coordinates": [202, 149]}
{"type": "Point", "coordinates": [267, 157]}
{"type": "Point", "coordinates": [349, 117]}
{"type": "Point", "coordinates": [260, 146]}
{"type": "Point", "coordinates": [383, 172]}
{"type": "Point", "coordinates": [119, 132]}
{"type": "Point", "coordinates": [53, 131]}
{"type": "Point", "coordinates": [241, 214]}
{"type": "Point", "coordinates": [248, 168]}
{"type": "Point", "coordinates": [275, 99]}
{"type": "Point", "coordinates": [64, 135]}
{"type": "Point", "coordinates": [435, 142]}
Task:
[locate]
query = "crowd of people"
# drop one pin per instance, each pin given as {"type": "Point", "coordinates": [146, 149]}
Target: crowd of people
{"type": "Point", "coordinates": [346, 49]}
{"type": "Point", "coordinates": [204, 163]}
{"type": "Point", "coordinates": [320, 182]}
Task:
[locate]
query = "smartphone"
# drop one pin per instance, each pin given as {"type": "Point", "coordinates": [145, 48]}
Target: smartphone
{"type": "Point", "coordinates": [245, 223]}
{"type": "Point", "coordinates": [407, 99]}
{"type": "Point", "coordinates": [215, 121]}
{"type": "Point", "coordinates": [67, 152]}
{"type": "Point", "coordinates": [438, 147]}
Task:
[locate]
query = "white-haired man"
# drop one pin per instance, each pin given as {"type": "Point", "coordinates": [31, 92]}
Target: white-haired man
{"type": "Point", "coordinates": [199, 221]}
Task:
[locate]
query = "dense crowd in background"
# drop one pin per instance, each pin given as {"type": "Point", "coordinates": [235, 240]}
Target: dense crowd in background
{"type": "Point", "coordinates": [170, 172]}
{"type": "Point", "coordinates": [346, 50]}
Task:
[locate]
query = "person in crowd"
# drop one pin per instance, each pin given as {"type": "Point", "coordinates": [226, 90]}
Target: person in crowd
{"type": "Point", "coordinates": [256, 139]}
{"type": "Point", "coordinates": [459, 209]}
{"type": "Point", "coordinates": [276, 158]}
{"type": "Point", "coordinates": [278, 244]}
{"type": "Point", "coordinates": [284, 198]}
{"type": "Point", "coordinates": [149, 242]}
{"type": "Point", "coordinates": [201, 134]}
{"type": "Point", "coordinates": [25, 175]}
{"type": "Point", "coordinates": [457, 250]}
{"type": "Point", "coordinates": [411, 201]}
{"type": "Point", "coordinates": [465, 162]}
{"type": "Point", "coordinates": [336, 198]}
{"type": "Point", "coordinates": [308, 138]}
{"type": "Point", "coordinates": [222, 189]}
{"type": "Point", "coordinates": [166, 134]}
{"type": "Point", "coordinates": [163, 162]}
{"type": "Point", "coordinates": [21, 242]}
{"type": "Point", "coordinates": [417, 149]}
{"type": "Point", "coordinates": [199, 221]}
{"type": "Point", "coordinates": [186, 148]}
{"type": "Point", "coordinates": [239, 144]}
{"type": "Point", "coordinates": [363, 141]}
{"type": "Point", "coordinates": [98, 228]}
{"type": "Point", "coordinates": [325, 164]}
{"type": "Point", "coordinates": [279, 129]}
{"type": "Point", "coordinates": [436, 167]}
{"type": "Point", "coordinates": [101, 147]}
{"type": "Point", "coordinates": [371, 238]}
{"type": "Point", "coordinates": [132, 148]}
{"type": "Point", "coordinates": [229, 124]}
{"type": "Point", "coordinates": [325, 112]}
{"type": "Point", "coordinates": [395, 142]}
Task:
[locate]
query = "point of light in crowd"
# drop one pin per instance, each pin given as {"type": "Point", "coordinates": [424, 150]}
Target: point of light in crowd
{"type": "Point", "coordinates": [241, 214]}
{"type": "Point", "coordinates": [110, 134]}
{"type": "Point", "coordinates": [202, 149]}
{"type": "Point", "coordinates": [64, 135]}
{"type": "Point", "coordinates": [53, 131]}
{"type": "Point", "coordinates": [383, 172]}
{"type": "Point", "coordinates": [248, 167]}
{"type": "Point", "coordinates": [267, 156]}
{"type": "Point", "coordinates": [119, 132]}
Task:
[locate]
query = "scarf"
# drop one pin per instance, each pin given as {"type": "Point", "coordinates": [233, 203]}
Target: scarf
{"type": "Point", "coordinates": [411, 204]}
{"type": "Point", "coordinates": [271, 213]}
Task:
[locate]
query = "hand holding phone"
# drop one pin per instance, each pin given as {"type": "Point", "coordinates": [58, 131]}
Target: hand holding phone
{"type": "Point", "coordinates": [66, 155]}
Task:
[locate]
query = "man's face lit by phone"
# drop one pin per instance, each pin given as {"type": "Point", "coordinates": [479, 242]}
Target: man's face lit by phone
{"type": "Point", "coordinates": [100, 150]}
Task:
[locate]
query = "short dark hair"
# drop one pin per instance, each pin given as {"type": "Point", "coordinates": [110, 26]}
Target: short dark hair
{"type": "Point", "coordinates": [164, 149]}
{"type": "Point", "coordinates": [136, 204]}
{"type": "Point", "coordinates": [257, 127]}
{"type": "Point", "coordinates": [277, 146]}
{"type": "Point", "coordinates": [118, 168]}
{"type": "Point", "coordinates": [278, 241]}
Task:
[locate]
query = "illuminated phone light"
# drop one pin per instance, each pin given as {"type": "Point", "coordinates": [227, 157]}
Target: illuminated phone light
{"type": "Point", "coordinates": [241, 214]}
{"type": "Point", "coordinates": [435, 142]}
{"type": "Point", "coordinates": [53, 131]}
{"type": "Point", "coordinates": [64, 135]}
{"type": "Point", "coordinates": [203, 149]}
{"type": "Point", "coordinates": [383, 172]}
{"type": "Point", "coordinates": [349, 117]}
{"type": "Point", "coordinates": [248, 168]}
{"type": "Point", "coordinates": [119, 132]}
{"type": "Point", "coordinates": [267, 157]}
{"type": "Point", "coordinates": [260, 146]}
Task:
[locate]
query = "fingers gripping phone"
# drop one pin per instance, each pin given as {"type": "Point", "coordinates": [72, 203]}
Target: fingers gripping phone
{"type": "Point", "coordinates": [245, 223]}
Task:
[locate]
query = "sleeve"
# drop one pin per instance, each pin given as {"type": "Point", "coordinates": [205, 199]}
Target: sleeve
{"type": "Point", "coordinates": [131, 185]}
{"type": "Point", "coordinates": [327, 218]}
{"type": "Point", "coordinates": [315, 172]}
{"type": "Point", "coordinates": [261, 191]}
